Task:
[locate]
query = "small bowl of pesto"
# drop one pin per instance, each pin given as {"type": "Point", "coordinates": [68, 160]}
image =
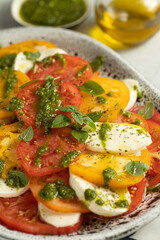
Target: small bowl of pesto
{"type": "Point", "coordinates": [53, 13]}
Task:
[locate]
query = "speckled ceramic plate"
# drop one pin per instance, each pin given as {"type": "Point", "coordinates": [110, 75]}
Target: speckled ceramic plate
{"type": "Point", "coordinates": [114, 67]}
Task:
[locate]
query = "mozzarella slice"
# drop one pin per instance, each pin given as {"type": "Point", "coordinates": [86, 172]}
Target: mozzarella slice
{"type": "Point", "coordinates": [108, 196]}
{"type": "Point", "coordinates": [123, 139]}
{"type": "Point", "coordinates": [22, 64]}
{"type": "Point", "coordinates": [57, 219]}
{"type": "Point", "coordinates": [8, 192]}
{"type": "Point", "coordinates": [132, 85]}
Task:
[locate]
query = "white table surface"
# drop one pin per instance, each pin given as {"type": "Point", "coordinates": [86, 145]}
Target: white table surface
{"type": "Point", "coordinates": [145, 58]}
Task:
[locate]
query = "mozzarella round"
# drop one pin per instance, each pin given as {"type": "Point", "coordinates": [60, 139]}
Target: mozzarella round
{"type": "Point", "coordinates": [57, 219]}
{"type": "Point", "coordinates": [22, 64]}
{"type": "Point", "coordinates": [122, 139]}
{"type": "Point", "coordinates": [8, 192]}
{"type": "Point", "coordinates": [131, 83]}
{"type": "Point", "coordinates": [110, 197]}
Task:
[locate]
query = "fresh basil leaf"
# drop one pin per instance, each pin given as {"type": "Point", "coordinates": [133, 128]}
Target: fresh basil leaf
{"type": "Point", "coordinates": [147, 111]}
{"type": "Point", "coordinates": [136, 168]}
{"type": "Point", "coordinates": [77, 117]}
{"type": "Point", "coordinates": [95, 116]}
{"type": "Point", "coordinates": [81, 136]}
{"type": "Point", "coordinates": [32, 56]}
{"type": "Point", "coordinates": [88, 121]}
{"type": "Point", "coordinates": [69, 108]}
{"type": "Point", "coordinates": [27, 135]}
{"type": "Point", "coordinates": [61, 121]}
{"type": "Point", "coordinates": [92, 87]}
{"type": "Point", "coordinates": [97, 63]}
{"type": "Point", "coordinates": [28, 83]}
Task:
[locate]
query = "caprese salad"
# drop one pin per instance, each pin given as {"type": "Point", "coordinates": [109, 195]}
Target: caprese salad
{"type": "Point", "coordinates": [71, 142]}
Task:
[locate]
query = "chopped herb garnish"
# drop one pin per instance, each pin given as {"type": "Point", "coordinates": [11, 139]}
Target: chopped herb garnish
{"type": "Point", "coordinates": [2, 164]}
{"type": "Point", "coordinates": [139, 94]}
{"type": "Point", "coordinates": [136, 121]}
{"type": "Point", "coordinates": [28, 83]}
{"type": "Point", "coordinates": [32, 56]}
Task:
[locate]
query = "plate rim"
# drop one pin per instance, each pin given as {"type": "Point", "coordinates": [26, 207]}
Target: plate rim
{"type": "Point", "coordinates": [152, 213]}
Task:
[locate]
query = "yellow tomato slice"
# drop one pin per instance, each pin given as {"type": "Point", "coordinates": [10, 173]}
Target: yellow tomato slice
{"type": "Point", "coordinates": [21, 79]}
{"type": "Point", "coordinates": [8, 145]}
{"type": "Point", "coordinates": [90, 166]}
{"type": "Point", "coordinates": [113, 105]}
{"type": "Point", "coordinates": [30, 46]}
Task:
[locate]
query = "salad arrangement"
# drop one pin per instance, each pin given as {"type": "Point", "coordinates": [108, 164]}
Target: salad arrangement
{"type": "Point", "coordinates": [71, 142]}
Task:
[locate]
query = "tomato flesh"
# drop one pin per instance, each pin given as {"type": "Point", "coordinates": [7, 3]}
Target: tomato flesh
{"type": "Point", "coordinates": [69, 94]}
{"type": "Point", "coordinates": [21, 214]}
{"type": "Point", "coordinates": [50, 161]}
{"type": "Point", "coordinates": [137, 192]}
{"type": "Point", "coordinates": [66, 73]}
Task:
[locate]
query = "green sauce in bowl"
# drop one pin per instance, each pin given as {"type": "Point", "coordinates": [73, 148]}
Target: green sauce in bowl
{"type": "Point", "coordinates": [52, 12]}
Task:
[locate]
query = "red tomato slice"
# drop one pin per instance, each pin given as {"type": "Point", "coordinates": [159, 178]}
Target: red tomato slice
{"type": "Point", "coordinates": [137, 192]}
{"type": "Point", "coordinates": [154, 130]}
{"type": "Point", "coordinates": [21, 214]}
{"type": "Point", "coordinates": [50, 161]}
{"type": "Point", "coordinates": [123, 119]}
{"type": "Point", "coordinates": [66, 73]}
{"type": "Point", "coordinates": [57, 204]}
{"type": "Point", "coordinates": [156, 115]}
{"type": "Point", "coordinates": [68, 92]}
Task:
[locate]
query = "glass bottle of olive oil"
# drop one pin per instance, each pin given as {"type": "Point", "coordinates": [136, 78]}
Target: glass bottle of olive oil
{"type": "Point", "coordinates": [127, 22]}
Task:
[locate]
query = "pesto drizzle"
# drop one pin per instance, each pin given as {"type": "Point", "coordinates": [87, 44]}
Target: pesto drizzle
{"type": "Point", "coordinates": [41, 151]}
{"type": "Point", "coordinates": [69, 157]}
{"type": "Point", "coordinates": [84, 70]}
{"type": "Point", "coordinates": [49, 100]}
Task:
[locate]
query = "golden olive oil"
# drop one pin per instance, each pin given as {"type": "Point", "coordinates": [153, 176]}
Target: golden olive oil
{"type": "Point", "coordinates": [128, 22]}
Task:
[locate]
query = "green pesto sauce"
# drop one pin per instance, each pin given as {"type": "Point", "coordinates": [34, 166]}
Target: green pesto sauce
{"type": "Point", "coordinates": [101, 99]}
{"type": "Point", "coordinates": [90, 194]}
{"type": "Point", "coordinates": [103, 131]}
{"type": "Point", "coordinates": [127, 114]}
{"type": "Point", "coordinates": [49, 100]}
{"type": "Point", "coordinates": [84, 69]}
{"type": "Point", "coordinates": [15, 104]}
{"type": "Point", "coordinates": [108, 173]}
{"type": "Point", "coordinates": [11, 80]}
{"type": "Point", "coordinates": [99, 202]}
{"type": "Point", "coordinates": [47, 61]}
{"type": "Point", "coordinates": [61, 58]}
{"type": "Point", "coordinates": [2, 164]}
{"type": "Point", "coordinates": [16, 179]}
{"type": "Point", "coordinates": [121, 204]}
{"type": "Point", "coordinates": [52, 12]}
{"type": "Point", "coordinates": [110, 94]}
{"type": "Point", "coordinates": [41, 151]}
{"type": "Point", "coordinates": [69, 157]}
{"type": "Point", "coordinates": [7, 61]}
{"type": "Point", "coordinates": [137, 121]}
{"type": "Point", "coordinates": [139, 94]}
{"type": "Point", "coordinates": [57, 189]}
